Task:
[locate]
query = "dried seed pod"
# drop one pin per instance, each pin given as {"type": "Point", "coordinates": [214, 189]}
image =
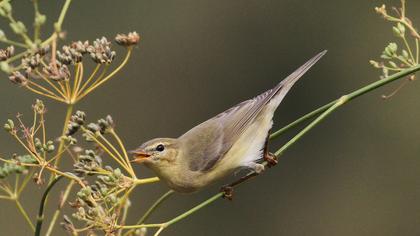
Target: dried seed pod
{"type": "Point", "coordinates": [6, 53]}
{"type": "Point", "coordinates": [100, 51]}
{"type": "Point", "coordinates": [129, 39]}
{"type": "Point", "coordinates": [18, 78]}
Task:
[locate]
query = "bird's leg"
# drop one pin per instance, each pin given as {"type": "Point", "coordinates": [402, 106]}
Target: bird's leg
{"type": "Point", "coordinates": [228, 189]}
{"type": "Point", "coordinates": [269, 157]}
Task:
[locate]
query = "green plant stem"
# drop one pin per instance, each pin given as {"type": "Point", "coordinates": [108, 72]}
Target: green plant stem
{"type": "Point", "coordinates": [37, 27]}
{"type": "Point", "coordinates": [60, 20]}
{"type": "Point", "coordinates": [176, 219]}
{"type": "Point", "coordinates": [24, 213]}
{"type": "Point", "coordinates": [14, 43]}
{"type": "Point", "coordinates": [155, 205]}
{"type": "Point", "coordinates": [409, 50]}
{"type": "Point", "coordinates": [351, 96]}
{"type": "Point", "coordinates": [339, 102]}
{"type": "Point", "coordinates": [194, 209]}
{"type": "Point", "coordinates": [40, 217]}
{"type": "Point", "coordinates": [58, 210]}
{"type": "Point", "coordinates": [417, 51]}
{"type": "Point", "coordinates": [61, 145]}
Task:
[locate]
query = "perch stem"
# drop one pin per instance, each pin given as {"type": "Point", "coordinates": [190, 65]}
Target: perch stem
{"type": "Point", "coordinates": [40, 217]}
{"type": "Point", "coordinates": [351, 96]}
{"type": "Point", "coordinates": [58, 210]}
{"type": "Point", "coordinates": [155, 205]}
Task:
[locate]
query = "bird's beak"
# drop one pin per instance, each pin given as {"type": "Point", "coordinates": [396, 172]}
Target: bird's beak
{"type": "Point", "coordinates": [139, 155]}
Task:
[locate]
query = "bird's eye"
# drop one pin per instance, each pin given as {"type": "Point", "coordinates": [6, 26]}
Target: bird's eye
{"type": "Point", "coordinates": [160, 148]}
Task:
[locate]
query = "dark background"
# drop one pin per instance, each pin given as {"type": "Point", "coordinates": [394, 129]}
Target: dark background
{"type": "Point", "coordinates": [357, 173]}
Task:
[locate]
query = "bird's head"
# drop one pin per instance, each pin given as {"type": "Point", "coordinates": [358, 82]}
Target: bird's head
{"type": "Point", "coordinates": [157, 153]}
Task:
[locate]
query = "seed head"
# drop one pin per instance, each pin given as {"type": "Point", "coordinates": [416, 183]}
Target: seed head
{"type": "Point", "coordinates": [18, 78]}
{"type": "Point", "coordinates": [129, 39]}
{"type": "Point", "coordinates": [100, 51]}
{"type": "Point", "coordinates": [6, 53]}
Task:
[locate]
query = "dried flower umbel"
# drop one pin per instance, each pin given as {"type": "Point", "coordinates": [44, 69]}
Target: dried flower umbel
{"type": "Point", "coordinates": [397, 57]}
{"type": "Point", "coordinates": [60, 74]}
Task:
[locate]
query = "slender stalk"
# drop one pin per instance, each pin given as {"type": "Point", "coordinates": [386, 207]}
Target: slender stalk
{"type": "Point", "coordinates": [409, 49]}
{"type": "Point", "coordinates": [86, 83]}
{"type": "Point", "coordinates": [14, 43]}
{"type": "Point", "coordinates": [93, 87]}
{"type": "Point", "coordinates": [52, 85]}
{"type": "Point", "coordinates": [145, 181]}
{"type": "Point", "coordinates": [40, 217]}
{"type": "Point", "coordinates": [44, 94]}
{"type": "Point", "coordinates": [42, 88]}
{"type": "Point", "coordinates": [176, 219]}
{"type": "Point", "coordinates": [3, 197]}
{"type": "Point", "coordinates": [24, 214]}
{"type": "Point", "coordinates": [138, 226]}
{"type": "Point", "coordinates": [123, 149]}
{"type": "Point", "coordinates": [112, 155]}
{"type": "Point", "coordinates": [60, 20]}
{"type": "Point", "coordinates": [417, 51]}
{"type": "Point", "coordinates": [58, 210]}
{"type": "Point", "coordinates": [155, 205]}
{"type": "Point", "coordinates": [351, 96]}
{"type": "Point", "coordinates": [24, 183]}
{"type": "Point", "coordinates": [37, 27]}
{"type": "Point", "coordinates": [124, 215]}
{"type": "Point", "coordinates": [120, 157]}
{"type": "Point", "coordinates": [337, 104]}
{"type": "Point", "coordinates": [66, 121]}
{"type": "Point", "coordinates": [75, 80]}
{"type": "Point", "coordinates": [79, 82]}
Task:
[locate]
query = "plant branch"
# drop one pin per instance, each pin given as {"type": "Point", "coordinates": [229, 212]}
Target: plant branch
{"type": "Point", "coordinates": [351, 96]}
{"type": "Point", "coordinates": [58, 210]}
{"type": "Point", "coordinates": [59, 23]}
{"type": "Point", "coordinates": [40, 217]}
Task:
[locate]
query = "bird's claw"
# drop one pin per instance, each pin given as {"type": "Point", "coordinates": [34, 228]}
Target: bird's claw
{"type": "Point", "coordinates": [227, 192]}
{"type": "Point", "coordinates": [271, 159]}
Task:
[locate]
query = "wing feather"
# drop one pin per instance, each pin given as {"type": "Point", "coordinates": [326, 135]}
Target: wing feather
{"type": "Point", "coordinates": [223, 130]}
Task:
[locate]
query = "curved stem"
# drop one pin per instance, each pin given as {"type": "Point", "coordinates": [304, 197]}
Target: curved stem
{"type": "Point", "coordinates": [155, 205]}
{"type": "Point", "coordinates": [60, 20]}
{"type": "Point", "coordinates": [40, 217]}
{"type": "Point", "coordinates": [351, 96]}
{"type": "Point", "coordinates": [321, 117]}
{"type": "Point", "coordinates": [57, 211]}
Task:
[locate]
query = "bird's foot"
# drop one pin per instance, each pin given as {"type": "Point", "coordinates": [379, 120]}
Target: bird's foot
{"type": "Point", "coordinates": [227, 191]}
{"type": "Point", "coordinates": [271, 159]}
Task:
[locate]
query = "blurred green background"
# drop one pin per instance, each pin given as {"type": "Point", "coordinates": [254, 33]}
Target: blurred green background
{"type": "Point", "coordinates": [355, 174]}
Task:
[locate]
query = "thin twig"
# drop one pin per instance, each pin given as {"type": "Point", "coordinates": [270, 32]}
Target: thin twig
{"type": "Point", "coordinates": [40, 217]}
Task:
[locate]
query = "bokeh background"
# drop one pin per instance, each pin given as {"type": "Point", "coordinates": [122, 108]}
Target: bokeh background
{"type": "Point", "coordinates": [357, 173]}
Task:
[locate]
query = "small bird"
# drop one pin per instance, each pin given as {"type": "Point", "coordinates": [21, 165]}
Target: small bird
{"type": "Point", "coordinates": [236, 138]}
